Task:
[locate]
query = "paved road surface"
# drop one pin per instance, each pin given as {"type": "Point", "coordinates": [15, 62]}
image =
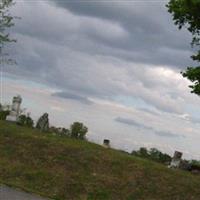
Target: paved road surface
{"type": "Point", "coordinates": [7, 193]}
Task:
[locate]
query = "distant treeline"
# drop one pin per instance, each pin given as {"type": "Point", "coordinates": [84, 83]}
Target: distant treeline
{"type": "Point", "coordinates": [153, 154]}
{"type": "Point", "coordinates": [158, 156]}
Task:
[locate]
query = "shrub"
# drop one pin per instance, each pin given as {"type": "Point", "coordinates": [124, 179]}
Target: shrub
{"type": "Point", "coordinates": [4, 114]}
{"type": "Point", "coordinates": [153, 154]}
{"type": "Point", "coordinates": [78, 130]}
{"type": "Point", "coordinates": [24, 120]}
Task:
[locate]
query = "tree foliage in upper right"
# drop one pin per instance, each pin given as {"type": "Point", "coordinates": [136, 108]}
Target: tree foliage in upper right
{"type": "Point", "coordinates": [186, 13]}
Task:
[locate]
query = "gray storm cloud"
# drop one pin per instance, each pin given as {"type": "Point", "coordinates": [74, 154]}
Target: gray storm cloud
{"type": "Point", "coordinates": [104, 59]}
{"type": "Point", "coordinates": [95, 52]}
{"type": "Point", "coordinates": [153, 37]}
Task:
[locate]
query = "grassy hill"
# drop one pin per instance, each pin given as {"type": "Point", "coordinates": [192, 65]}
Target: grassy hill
{"type": "Point", "coordinates": [63, 168]}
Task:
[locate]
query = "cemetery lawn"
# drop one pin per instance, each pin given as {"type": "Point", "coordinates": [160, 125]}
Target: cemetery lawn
{"type": "Point", "coordinates": [67, 169]}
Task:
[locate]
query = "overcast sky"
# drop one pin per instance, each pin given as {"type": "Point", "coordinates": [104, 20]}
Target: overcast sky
{"type": "Point", "coordinates": [114, 65]}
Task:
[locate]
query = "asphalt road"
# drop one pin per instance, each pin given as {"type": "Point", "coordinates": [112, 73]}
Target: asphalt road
{"type": "Point", "coordinates": [7, 193]}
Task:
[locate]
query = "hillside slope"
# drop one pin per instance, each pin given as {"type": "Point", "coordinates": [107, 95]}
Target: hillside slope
{"type": "Point", "coordinates": [63, 168]}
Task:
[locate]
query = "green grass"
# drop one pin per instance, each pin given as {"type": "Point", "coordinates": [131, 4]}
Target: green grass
{"type": "Point", "coordinates": [68, 169]}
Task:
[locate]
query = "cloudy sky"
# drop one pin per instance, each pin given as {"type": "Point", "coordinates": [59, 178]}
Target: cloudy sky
{"type": "Point", "coordinates": [113, 65]}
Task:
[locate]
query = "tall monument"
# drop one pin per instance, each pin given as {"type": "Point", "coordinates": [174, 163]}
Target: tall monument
{"type": "Point", "coordinates": [15, 109]}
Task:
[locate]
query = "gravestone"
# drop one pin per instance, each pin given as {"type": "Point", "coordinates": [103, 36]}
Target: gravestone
{"type": "Point", "coordinates": [43, 123]}
{"type": "Point", "coordinates": [106, 143]}
{"type": "Point", "coordinates": [176, 160]}
{"type": "Point", "coordinates": [15, 109]}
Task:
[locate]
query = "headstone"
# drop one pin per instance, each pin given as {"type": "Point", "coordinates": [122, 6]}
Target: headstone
{"type": "Point", "coordinates": [106, 143]}
{"type": "Point", "coordinates": [43, 123]}
{"type": "Point", "coordinates": [15, 109]}
{"type": "Point", "coordinates": [176, 160]}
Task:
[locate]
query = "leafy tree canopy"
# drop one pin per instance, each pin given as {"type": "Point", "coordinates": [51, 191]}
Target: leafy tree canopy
{"type": "Point", "coordinates": [152, 154]}
{"type": "Point", "coordinates": [78, 130]}
{"type": "Point", "coordinates": [6, 21]}
{"type": "Point", "coordinates": [186, 13]}
{"type": "Point", "coordinates": [4, 114]}
{"type": "Point", "coordinates": [24, 120]}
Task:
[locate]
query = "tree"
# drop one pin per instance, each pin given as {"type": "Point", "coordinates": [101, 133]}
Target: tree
{"type": "Point", "coordinates": [158, 156]}
{"type": "Point", "coordinates": [153, 154]}
{"type": "Point", "coordinates": [6, 21]}
{"type": "Point", "coordinates": [24, 120]}
{"type": "Point", "coordinates": [186, 13]}
{"type": "Point", "coordinates": [4, 114]}
{"type": "Point", "coordinates": [78, 130]}
{"type": "Point", "coordinates": [143, 152]}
